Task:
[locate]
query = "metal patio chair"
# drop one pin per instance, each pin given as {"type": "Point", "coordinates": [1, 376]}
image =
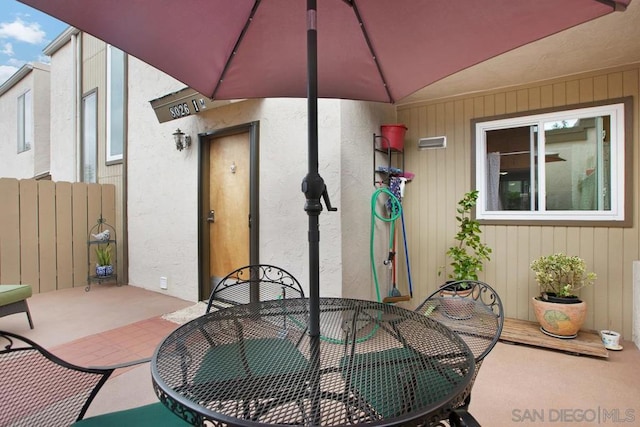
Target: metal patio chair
{"type": "Point", "coordinates": [242, 357]}
{"type": "Point", "coordinates": [253, 283]}
{"type": "Point", "coordinates": [13, 299]}
{"type": "Point", "coordinates": [39, 388]}
{"type": "Point", "coordinates": [473, 310]}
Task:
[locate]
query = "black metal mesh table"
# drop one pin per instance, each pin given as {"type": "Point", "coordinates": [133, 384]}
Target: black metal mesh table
{"type": "Point", "coordinates": [256, 364]}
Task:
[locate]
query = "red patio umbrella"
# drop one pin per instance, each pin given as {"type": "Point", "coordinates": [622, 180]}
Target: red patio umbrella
{"type": "Point", "coordinates": [374, 50]}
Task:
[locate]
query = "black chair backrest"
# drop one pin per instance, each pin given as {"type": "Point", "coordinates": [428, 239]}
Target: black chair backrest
{"type": "Point", "coordinates": [470, 308]}
{"type": "Point", "coordinates": [39, 389]}
{"type": "Point", "coordinates": [473, 310]}
{"type": "Point", "coordinates": [252, 283]}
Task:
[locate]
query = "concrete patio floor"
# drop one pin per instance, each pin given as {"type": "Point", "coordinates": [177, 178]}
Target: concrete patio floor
{"type": "Point", "coordinates": [517, 385]}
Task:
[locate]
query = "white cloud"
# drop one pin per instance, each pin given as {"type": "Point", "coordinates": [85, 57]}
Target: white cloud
{"type": "Point", "coordinates": [7, 49]}
{"type": "Point", "coordinates": [16, 62]}
{"type": "Point", "coordinates": [22, 31]}
{"type": "Point", "coordinates": [6, 71]}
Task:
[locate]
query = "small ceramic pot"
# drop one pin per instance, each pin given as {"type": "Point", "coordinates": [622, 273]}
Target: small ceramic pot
{"type": "Point", "coordinates": [610, 339]}
{"type": "Point", "coordinates": [104, 270]}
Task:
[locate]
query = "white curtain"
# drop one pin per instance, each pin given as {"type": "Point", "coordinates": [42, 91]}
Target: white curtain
{"type": "Point", "coordinates": [493, 182]}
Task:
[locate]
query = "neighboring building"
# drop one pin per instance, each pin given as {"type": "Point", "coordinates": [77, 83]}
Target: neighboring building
{"type": "Point", "coordinates": [65, 95]}
{"type": "Point", "coordinates": [24, 108]}
{"type": "Point", "coordinates": [88, 120]}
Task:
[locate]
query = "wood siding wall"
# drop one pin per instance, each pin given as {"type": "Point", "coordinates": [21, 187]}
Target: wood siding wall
{"type": "Point", "coordinates": [444, 175]}
{"type": "Point", "coordinates": [94, 76]}
{"type": "Point", "coordinates": [44, 228]}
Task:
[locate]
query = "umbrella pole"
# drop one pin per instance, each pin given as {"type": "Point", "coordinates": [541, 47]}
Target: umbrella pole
{"type": "Point", "coordinates": [313, 185]}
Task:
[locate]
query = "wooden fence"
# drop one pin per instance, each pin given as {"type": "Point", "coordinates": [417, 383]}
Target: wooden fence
{"type": "Point", "coordinates": [44, 228]}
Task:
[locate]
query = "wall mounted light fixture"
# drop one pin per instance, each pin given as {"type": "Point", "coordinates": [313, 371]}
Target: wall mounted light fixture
{"type": "Point", "coordinates": [182, 141]}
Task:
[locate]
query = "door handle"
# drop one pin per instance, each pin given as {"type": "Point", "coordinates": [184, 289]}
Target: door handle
{"type": "Point", "coordinates": [212, 216]}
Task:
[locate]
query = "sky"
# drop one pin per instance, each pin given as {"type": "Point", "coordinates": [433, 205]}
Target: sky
{"type": "Point", "coordinates": [24, 32]}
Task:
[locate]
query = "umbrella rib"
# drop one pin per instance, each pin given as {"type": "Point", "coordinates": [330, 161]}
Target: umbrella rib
{"type": "Point", "coordinates": [371, 49]}
{"type": "Point", "coordinates": [235, 47]}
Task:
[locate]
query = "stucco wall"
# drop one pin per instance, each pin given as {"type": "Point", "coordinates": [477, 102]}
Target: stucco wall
{"type": "Point", "coordinates": [63, 124]}
{"type": "Point", "coordinates": [33, 162]}
{"type": "Point", "coordinates": [161, 193]}
{"type": "Point", "coordinates": [359, 121]}
{"type": "Point", "coordinates": [41, 120]}
{"type": "Point", "coordinates": [163, 187]}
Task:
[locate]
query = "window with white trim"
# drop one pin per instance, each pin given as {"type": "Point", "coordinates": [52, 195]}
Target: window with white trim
{"type": "Point", "coordinates": [116, 112]}
{"type": "Point", "coordinates": [582, 177]}
{"type": "Point", "coordinates": [25, 121]}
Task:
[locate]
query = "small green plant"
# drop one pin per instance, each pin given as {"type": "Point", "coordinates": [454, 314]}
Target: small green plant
{"type": "Point", "coordinates": [561, 274]}
{"type": "Point", "coordinates": [103, 255]}
{"type": "Point", "coordinates": [469, 254]}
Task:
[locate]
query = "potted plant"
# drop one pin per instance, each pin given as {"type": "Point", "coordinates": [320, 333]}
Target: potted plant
{"type": "Point", "coordinates": [558, 308]}
{"type": "Point", "coordinates": [467, 255]}
{"type": "Point", "coordinates": [103, 261]}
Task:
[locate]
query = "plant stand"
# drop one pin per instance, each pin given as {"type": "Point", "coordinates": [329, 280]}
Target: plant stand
{"type": "Point", "coordinates": [101, 235]}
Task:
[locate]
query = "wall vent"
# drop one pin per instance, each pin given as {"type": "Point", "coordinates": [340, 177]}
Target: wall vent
{"type": "Point", "coordinates": [433, 142]}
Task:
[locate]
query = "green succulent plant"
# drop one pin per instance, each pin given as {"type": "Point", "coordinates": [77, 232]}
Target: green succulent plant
{"type": "Point", "coordinates": [103, 255]}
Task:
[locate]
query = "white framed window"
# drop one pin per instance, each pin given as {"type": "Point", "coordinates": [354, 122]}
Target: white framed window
{"type": "Point", "coordinates": [90, 137]}
{"type": "Point", "coordinates": [582, 177]}
{"type": "Point", "coordinates": [25, 121]}
{"type": "Point", "coordinates": [116, 105]}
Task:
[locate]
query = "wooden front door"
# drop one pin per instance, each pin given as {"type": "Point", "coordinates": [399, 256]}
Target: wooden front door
{"type": "Point", "coordinates": [228, 219]}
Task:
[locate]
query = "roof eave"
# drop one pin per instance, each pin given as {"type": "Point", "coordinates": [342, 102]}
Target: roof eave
{"type": "Point", "coordinates": [60, 41]}
{"type": "Point", "coordinates": [15, 78]}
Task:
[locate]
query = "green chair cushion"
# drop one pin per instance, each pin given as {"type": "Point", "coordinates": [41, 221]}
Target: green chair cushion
{"type": "Point", "coordinates": [404, 373]}
{"type": "Point", "coordinates": [14, 293]}
{"type": "Point", "coordinates": [225, 362]}
{"type": "Point", "coordinates": [155, 414]}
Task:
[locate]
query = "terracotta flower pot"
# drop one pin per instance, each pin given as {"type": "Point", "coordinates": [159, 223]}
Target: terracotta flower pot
{"type": "Point", "coordinates": [560, 320]}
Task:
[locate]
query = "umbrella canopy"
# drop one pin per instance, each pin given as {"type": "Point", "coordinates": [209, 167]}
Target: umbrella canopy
{"type": "Point", "coordinates": [374, 50]}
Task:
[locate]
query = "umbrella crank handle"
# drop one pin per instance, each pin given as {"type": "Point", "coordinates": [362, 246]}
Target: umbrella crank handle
{"type": "Point", "coordinates": [325, 197]}
{"type": "Point", "coordinates": [314, 188]}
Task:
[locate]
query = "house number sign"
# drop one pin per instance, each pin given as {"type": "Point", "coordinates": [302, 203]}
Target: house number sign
{"type": "Point", "coordinates": [182, 109]}
{"type": "Point", "coordinates": [183, 103]}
